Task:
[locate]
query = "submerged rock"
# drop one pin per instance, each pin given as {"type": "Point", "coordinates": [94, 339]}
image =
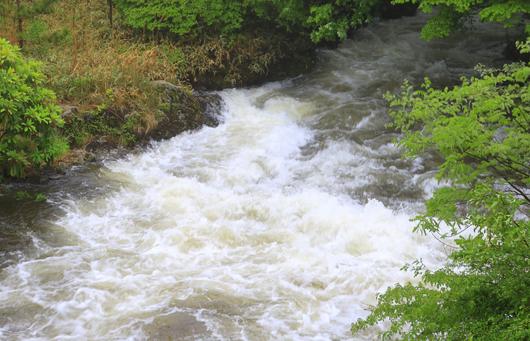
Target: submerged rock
{"type": "Point", "coordinates": [178, 325]}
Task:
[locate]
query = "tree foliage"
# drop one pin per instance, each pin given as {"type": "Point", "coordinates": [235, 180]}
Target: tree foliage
{"type": "Point", "coordinates": [451, 14]}
{"type": "Point", "coordinates": [332, 20]}
{"type": "Point", "coordinates": [182, 17]}
{"type": "Point", "coordinates": [322, 20]}
{"type": "Point", "coordinates": [481, 129]}
{"type": "Point", "coordinates": [28, 115]}
{"type": "Point", "coordinates": [20, 11]}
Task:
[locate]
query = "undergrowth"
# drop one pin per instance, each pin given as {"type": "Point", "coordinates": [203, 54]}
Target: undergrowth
{"type": "Point", "coordinates": [106, 73]}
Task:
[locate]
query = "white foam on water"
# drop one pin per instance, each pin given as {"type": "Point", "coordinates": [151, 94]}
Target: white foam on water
{"type": "Point", "coordinates": [217, 224]}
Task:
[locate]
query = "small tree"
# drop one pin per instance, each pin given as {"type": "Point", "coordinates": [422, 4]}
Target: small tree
{"type": "Point", "coordinates": [20, 11]}
{"type": "Point", "coordinates": [28, 115]}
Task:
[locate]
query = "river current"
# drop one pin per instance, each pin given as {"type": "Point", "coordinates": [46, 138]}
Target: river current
{"type": "Point", "coordinates": [282, 223]}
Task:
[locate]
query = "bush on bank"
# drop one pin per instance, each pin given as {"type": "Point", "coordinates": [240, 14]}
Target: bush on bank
{"type": "Point", "coordinates": [481, 130]}
{"type": "Point", "coordinates": [29, 116]}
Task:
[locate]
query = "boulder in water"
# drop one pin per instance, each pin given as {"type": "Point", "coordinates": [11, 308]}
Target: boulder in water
{"type": "Point", "coordinates": [183, 110]}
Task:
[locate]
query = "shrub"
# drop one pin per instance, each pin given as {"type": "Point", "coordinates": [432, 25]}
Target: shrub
{"type": "Point", "coordinates": [482, 130]}
{"type": "Point", "coordinates": [28, 115]}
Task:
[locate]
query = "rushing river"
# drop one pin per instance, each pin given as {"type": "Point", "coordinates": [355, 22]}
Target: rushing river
{"type": "Point", "coordinates": [283, 223]}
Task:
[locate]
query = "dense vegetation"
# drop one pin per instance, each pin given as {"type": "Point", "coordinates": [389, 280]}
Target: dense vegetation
{"type": "Point", "coordinates": [481, 130]}
{"type": "Point", "coordinates": [323, 20]}
{"type": "Point", "coordinates": [28, 115]}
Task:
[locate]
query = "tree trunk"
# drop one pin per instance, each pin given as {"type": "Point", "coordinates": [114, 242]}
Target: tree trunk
{"type": "Point", "coordinates": [19, 23]}
{"type": "Point", "coordinates": [110, 4]}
